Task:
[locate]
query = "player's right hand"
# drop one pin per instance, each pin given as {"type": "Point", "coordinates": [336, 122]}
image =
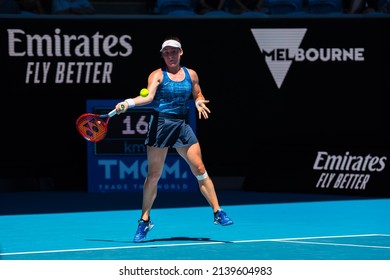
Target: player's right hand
{"type": "Point", "coordinates": [121, 107]}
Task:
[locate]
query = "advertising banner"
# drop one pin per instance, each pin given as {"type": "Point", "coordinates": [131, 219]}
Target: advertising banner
{"type": "Point", "coordinates": [118, 162]}
{"type": "Point", "coordinates": [297, 104]}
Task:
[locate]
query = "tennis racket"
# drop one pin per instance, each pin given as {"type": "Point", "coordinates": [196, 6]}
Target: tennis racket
{"type": "Point", "coordinates": [93, 127]}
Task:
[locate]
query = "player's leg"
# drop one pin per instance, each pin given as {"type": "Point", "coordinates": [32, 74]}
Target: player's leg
{"type": "Point", "coordinates": [156, 158]}
{"type": "Point", "coordinates": [193, 156]}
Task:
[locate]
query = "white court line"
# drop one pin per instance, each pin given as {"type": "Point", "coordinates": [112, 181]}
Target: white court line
{"type": "Point", "coordinates": [315, 237]}
{"type": "Point", "coordinates": [336, 244]}
{"type": "Point", "coordinates": [291, 239]}
{"type": "Point", "coordinates": [297, 240]}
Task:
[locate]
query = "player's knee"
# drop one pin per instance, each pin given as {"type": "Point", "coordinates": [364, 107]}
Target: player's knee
{"type": "Point", "coordinates": [153, 177]}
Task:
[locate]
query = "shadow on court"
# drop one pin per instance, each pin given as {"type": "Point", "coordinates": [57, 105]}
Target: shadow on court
{"type": "Point", "coordinates": [178, 238]}
{"type": "Point", "coordinates": [193, 239]}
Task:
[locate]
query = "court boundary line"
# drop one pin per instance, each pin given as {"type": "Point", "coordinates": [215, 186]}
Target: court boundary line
{"type": "Point", "coordinates": [290, 240]}
{"type": "Point", "coordinates": [336, 244]}
{"type": "Point", "coordinates": [298, 241]}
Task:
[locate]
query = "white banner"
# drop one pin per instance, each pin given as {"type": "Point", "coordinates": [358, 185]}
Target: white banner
{"type": "Point", "coordinates": [195, 269]}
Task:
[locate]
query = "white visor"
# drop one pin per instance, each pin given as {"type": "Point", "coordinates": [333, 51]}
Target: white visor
{"type": "Point", "coordinates": [170, 43]}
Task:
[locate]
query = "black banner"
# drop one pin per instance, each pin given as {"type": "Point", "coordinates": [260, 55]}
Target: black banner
{"type": "Point", "coordinates": [298, 104]}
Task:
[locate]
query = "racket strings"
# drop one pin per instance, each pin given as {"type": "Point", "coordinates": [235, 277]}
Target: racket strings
{"type": "Point", "coordinates": [91, 127]}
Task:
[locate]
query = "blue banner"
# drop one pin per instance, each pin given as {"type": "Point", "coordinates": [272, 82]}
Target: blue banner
{"type": "Point", "coordinates": [118, 163]}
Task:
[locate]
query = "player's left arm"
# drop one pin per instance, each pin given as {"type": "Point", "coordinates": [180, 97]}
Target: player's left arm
{"type": "Point", "coordinates": [200, 100]}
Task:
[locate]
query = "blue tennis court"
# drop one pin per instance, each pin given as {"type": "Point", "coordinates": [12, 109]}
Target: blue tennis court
{"type": "Point", "coordinates": [268, 226]}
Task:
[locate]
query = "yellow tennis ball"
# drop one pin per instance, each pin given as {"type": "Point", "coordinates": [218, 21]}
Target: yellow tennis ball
{"type": "Point", "coordinates": [144, 92]}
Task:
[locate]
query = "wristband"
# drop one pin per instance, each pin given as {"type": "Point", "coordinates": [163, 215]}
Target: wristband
{"type": "Point", "coordinates": [130, 102]}
{"type": "Point", "coordinates": [198, 102]}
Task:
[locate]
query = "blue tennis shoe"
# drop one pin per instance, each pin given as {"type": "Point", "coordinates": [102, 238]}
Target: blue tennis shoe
{"type": "Point", "coordinates": [142, 230]}
{"type": "Point", "coordinates": [220, 218]}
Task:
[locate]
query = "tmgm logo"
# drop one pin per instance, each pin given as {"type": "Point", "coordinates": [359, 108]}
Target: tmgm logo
{"type": "Point", "coordinates": [281, 48]}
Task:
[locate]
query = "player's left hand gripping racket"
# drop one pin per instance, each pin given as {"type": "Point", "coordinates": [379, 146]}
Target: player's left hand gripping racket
{"type": "Point", "coordinates": [93, 127]}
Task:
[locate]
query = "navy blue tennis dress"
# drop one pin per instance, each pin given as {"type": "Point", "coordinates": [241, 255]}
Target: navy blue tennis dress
{"type": "Point", "coordinates": [168, 126]}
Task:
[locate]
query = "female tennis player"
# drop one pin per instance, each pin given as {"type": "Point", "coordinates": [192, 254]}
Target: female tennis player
{"type": "Point", "coordinates": [170, 87]}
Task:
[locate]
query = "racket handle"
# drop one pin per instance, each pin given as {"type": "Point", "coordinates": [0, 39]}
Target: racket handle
{"type": "Point", "coordinates": [112, 113]}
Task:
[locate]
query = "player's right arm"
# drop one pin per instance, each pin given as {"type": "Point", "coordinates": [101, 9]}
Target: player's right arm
{"type": "Point", "coordinates": [154, 80]}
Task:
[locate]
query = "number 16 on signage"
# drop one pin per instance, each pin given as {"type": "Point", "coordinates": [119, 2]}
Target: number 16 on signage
{"type": "Point", "coordinates": [141, 125]}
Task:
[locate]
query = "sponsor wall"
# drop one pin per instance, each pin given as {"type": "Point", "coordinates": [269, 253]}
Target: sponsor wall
{"type": "Point", "coordinates": [119, 163]}
{"type": "Point", "coordinates": [298, 104]}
